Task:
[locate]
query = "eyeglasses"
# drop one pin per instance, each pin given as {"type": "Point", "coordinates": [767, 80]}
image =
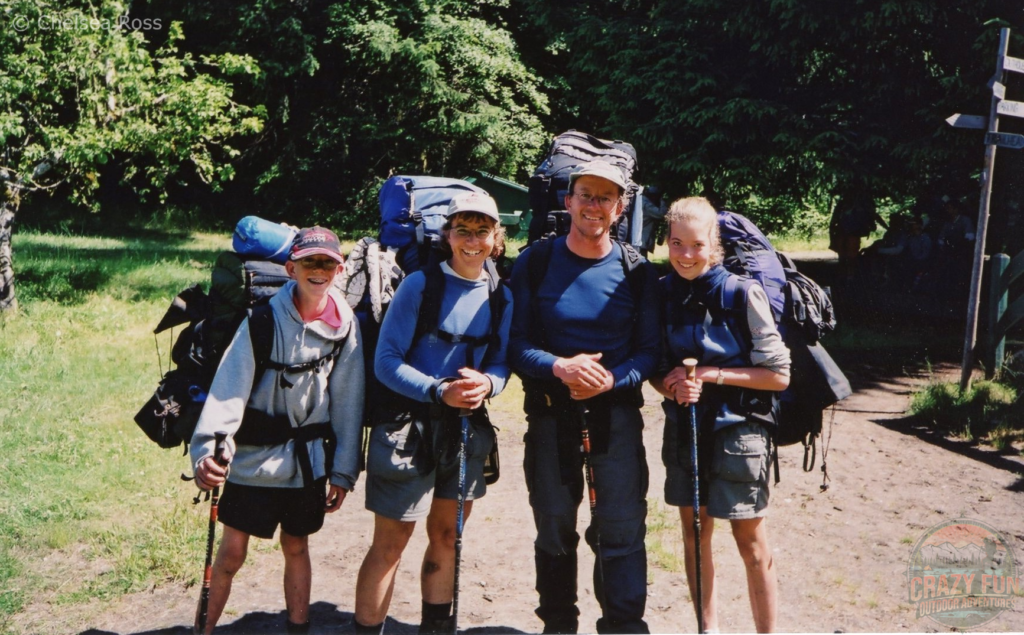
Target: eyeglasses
{"type": "Point", "coordinates": [327, 264]}
{"type": "Point", "coordinates": [465, 233]}
{"type": "Point", "coordinates": [601, 201]}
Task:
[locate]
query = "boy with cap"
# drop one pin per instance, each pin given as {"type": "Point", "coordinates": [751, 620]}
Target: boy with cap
{"type": "Point", "coordinates": [585, 335]}
{"type": "Point", "coordinates": [412, 470]}
{"type": "Point", "coordinates": [302, 425]}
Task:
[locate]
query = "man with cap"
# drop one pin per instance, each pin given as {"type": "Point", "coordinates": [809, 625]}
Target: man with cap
{"type": "Point", "coordinates": [431, 373]}
{"type": "Point", "coordinates": [307, 398]}
{"type": "Point", "coordinates": [584, 338]}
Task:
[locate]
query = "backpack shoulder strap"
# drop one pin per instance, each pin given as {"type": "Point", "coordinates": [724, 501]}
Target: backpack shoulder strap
{"type": "Point", "coordinates": [670, 300]}
{"type": "Point", "coordinates": [735, 293]}
{"type": "Point", "coordinates": [635, 274]}
{"type": "Point", "coordinates": [538, 261]}
{"type": "Point", "coordinates": [428, 318]}
{"type": "Point", "coordinates": [497, 302]}
{"type": "Point", "coordinates": [261, 334]}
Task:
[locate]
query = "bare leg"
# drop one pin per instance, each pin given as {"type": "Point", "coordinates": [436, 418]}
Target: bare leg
{"type": "Point", "coordinates": [234, 545]}
{"type": "Point", "coordinates": [437, 578]}
{"type": "Point", "coordinates": [376, 581]}
{"type": "Point", "coordinates": [298, 576]}
{"type": "Point", "coordinates": [707, 563]}
{"type": "Point", "coordinates": [752, 540]}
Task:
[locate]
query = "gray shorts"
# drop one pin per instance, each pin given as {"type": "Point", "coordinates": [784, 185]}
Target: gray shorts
{"type": "Point", "coordinates": [736, 485]}
{"type": "Point", "coordinates": [394, 487]}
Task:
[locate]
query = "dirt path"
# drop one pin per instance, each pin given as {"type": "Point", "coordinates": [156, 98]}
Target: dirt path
{"type": "Point", "coordinates": [841, 555]}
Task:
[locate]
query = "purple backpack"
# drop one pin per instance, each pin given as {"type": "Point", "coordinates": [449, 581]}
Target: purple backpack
{"type": "Point", "coordinates": [749, 253]}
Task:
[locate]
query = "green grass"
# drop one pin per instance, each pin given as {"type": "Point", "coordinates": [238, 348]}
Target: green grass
{"type": "Point", "coordinates": [72, 269]}
{"type": "Point", "coordinates": [664, 537]}
{"type": "Point", "coordinates": [80, 481]}
{"type": "Point", "coordinates": [76, 362]}
{"type": "Point", "coordinates": [791, 243]}
{"type": "Point", "coordinates": [986, 406]}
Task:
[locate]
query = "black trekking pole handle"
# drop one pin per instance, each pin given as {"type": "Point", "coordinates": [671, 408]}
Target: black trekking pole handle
{"type": "Point", "coordinates": [588, 470]}
{"type": "Point", "coordinates": [204, 594]}
{"type": "Point", "coordinates": [691, 373]}
{"type": "Point", "coordinates": [464, 414]}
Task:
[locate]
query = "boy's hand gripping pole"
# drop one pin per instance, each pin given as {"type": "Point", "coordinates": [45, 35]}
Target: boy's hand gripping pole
{"type": "Point", "coordinates": [204, 595]}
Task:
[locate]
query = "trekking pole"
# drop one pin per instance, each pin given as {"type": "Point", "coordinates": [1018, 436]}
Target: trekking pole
{"type": "Point", "coordinates": [691, 373]}
{"type": "Point", "coordinates": [464, 414]}
{"type": "Point", "coordinates": [204, 595]}
{"type": "Point", "coordinates": [588, 470]}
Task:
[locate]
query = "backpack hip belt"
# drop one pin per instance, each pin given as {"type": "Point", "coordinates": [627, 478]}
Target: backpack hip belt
{"type": "Point", "coordinates": [551, 398]}
{"type": "Point", "coordinates": [260, 428]}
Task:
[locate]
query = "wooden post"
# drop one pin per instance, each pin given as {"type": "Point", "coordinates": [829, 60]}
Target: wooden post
{"type": "Point", "coordinates": [997, 297]}
{"type": "Point", "coordinates": [974, 298]}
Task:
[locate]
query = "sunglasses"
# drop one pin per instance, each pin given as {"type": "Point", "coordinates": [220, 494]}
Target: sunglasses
{"type": "Point", "coordinates": [327, 264]}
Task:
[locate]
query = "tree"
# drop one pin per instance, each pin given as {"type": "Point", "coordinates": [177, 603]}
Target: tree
{"type": "Point", "coordinates": [772, 102]}
{"type": "Point", "coordinates": [78, 87]}
{"type": "Point", "coordinates": [359, 90]}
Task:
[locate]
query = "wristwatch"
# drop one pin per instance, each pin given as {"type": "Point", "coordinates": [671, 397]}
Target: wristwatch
{"type": "Point", "coordinates": [720, 380]}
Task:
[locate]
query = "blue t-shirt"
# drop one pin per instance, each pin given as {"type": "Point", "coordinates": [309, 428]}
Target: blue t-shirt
{"type": "Point", "coordinates": [587, 307]}
{"type": "Point", "coordinates": [414, 369]}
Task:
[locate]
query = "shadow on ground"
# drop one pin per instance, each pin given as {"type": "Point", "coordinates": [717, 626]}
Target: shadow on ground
{"type": "Point", "coordinates": [889, 339]}
{"type": "Point", "coordinates": [324, 617]}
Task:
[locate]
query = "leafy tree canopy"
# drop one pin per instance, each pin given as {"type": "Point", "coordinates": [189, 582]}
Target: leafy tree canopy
{"type": "Point", "coordinates": [79, 88]}
{"type": "Point", "coordinates": [360, 90]}
{"type": "Point", "coordinates": [777, 102]}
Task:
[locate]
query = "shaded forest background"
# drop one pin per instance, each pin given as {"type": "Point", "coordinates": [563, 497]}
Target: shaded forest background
{"type": "Point", "coordinates": [774, 107]}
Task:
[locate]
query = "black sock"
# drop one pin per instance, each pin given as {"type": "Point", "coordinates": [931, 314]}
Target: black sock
{"type": "Point", "coordinates": [363, 629]}
{"type": "Point", "coordinates": [436, 611]}
{"type": "Point", "coordinates": [296, 629]}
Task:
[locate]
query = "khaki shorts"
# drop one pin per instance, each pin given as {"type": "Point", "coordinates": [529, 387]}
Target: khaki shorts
{"type": "Point", "coordinates": [736, 485]}
{"type": "Point", "coordinates": [394, 487]}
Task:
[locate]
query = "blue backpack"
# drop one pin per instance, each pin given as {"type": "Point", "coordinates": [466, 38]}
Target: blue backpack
{"type": "Point", "coordinates": [803, 312]}
{"type": "Point", "coordinates": [797, 301]}
{"type": "Point", "coordinates": [412, 212]}
{"type": "Point", "coordinates": [748, 252]}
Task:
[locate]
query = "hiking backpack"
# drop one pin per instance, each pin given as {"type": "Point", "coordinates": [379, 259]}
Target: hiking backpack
{"type": "Point", "coordinates": [804, 313]}
{"type": "Point", "coordinates": [550, 184]}
{"type": "Point", "coordinates": [412, 212]}
{"type": "Point", "coordinates": [240, 288]}
{"type": "Point", "coordinates": [796, 300]}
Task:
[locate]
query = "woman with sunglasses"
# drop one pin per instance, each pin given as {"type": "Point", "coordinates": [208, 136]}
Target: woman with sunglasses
{"type": "Point", "coordinates": [433, 379]}
{"type": "Point", "coordinates": [311, 391]}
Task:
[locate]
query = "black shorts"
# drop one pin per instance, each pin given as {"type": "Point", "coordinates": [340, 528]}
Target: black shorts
{"type": "Point", "coordinates": [258, 511]}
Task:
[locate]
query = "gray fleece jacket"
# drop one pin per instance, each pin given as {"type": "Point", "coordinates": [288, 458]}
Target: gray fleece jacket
{"type": "Point", "coordinates": [335, 395]}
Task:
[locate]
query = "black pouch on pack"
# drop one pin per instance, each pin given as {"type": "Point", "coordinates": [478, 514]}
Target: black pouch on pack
{"type": "Point", "coordinates": [492, 464]}
{"type": "Point", "coordinates": [171, 414]}
{"type": "Point", "coordinates": [479, 420]}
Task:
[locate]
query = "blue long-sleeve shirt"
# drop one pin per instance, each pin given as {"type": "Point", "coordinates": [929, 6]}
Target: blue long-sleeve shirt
{"type": "Point", "coordinates": [587, 307]}
{"type": "Point", "coordinates": [414, 369]}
